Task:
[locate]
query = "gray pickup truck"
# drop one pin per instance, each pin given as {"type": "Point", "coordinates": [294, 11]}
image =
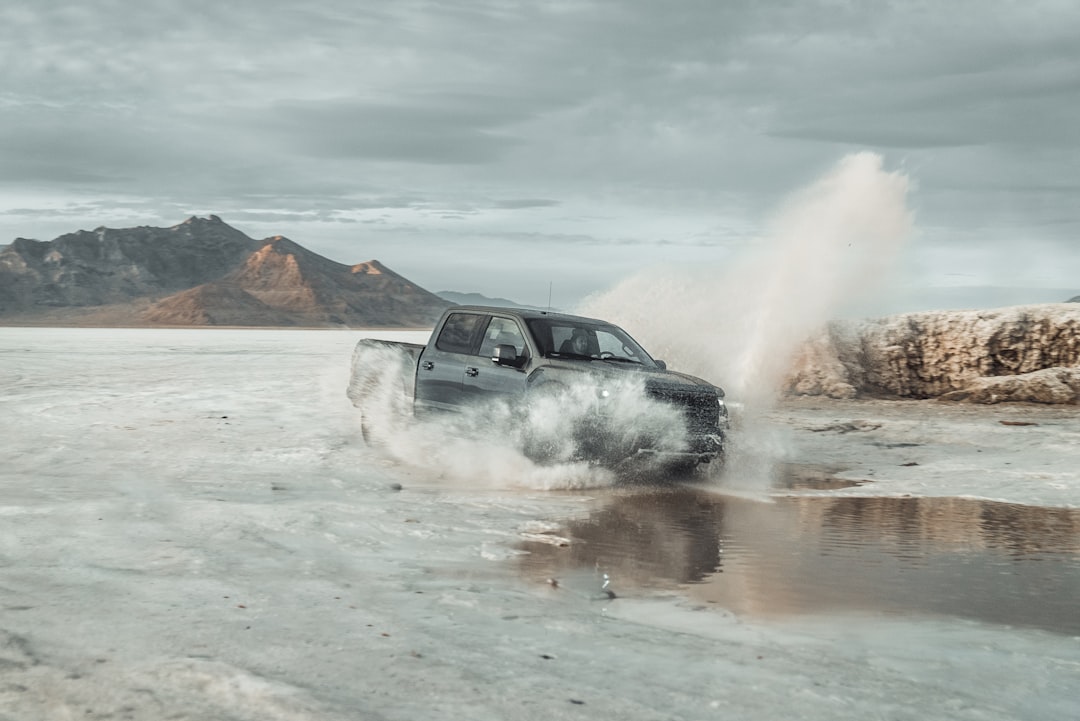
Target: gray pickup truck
{"type": "Point", "coordinates": [522, 358]}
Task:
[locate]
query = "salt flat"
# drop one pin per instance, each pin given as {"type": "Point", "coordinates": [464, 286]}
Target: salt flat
{"type": "Point", "coordinates": [192, 528]}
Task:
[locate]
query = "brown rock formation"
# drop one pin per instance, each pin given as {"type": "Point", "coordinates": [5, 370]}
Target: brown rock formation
{"type": "Point", "coordinates": [282, 283]}
{"type": "Point", "coordinates": [1024, 353]}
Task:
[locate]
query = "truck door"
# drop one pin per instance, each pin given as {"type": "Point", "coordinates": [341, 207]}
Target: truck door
{"type": "Point", "coordinates": [441, 367]}
{"type": "Point", "coordinates": [484, 378]}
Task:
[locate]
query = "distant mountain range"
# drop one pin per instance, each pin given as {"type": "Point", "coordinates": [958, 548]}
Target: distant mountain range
{"type": "Point", "coordinates": [201, 272]}
{"type": "Point", "coordinates": [459, 298]}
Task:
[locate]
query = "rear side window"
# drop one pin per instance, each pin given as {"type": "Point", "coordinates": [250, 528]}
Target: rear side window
{"type": "Point", "coordinates": [459, 332]}
{"type": "Point", "coordinates": [502, 331]}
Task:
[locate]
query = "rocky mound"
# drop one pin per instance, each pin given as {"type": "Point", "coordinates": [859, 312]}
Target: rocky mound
{"type": "Point", "coordinates": [1019, 354]}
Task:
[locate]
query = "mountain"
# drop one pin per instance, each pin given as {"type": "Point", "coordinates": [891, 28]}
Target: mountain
{"type": "Point", "coordinates": [1020, 354]}
{"type": "Point", "coordinates": [104, 266]}
{"type": "Point", "coordinates": [459, 298]}
{"type": "Point", "coordinates": [200, 272]}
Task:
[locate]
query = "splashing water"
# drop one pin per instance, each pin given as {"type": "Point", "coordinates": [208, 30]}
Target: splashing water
{"type": "Point", "coordinates": [549, 443]}
{"type": "Point", "coordinates": [738, 325]}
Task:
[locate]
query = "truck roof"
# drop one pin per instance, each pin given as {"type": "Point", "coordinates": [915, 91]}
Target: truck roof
{"type": "Point", "coordinates": [523, 313]}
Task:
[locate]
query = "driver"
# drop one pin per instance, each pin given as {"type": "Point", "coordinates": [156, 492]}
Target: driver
{"type": "Point", "coordinates": [579, 341]}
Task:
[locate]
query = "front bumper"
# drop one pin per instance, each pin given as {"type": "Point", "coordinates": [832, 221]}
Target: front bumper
{"type": "Point", "coordinates": [702, 449]}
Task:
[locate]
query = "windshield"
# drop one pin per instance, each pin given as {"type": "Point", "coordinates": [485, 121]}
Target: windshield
{"type": "Point", "coordinates": [569, 338]}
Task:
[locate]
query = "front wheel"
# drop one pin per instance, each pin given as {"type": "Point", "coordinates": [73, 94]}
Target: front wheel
{"type": "Point", "coordinates": [544, 440]}
{"type": "Point", "coordinates": [681, 469]}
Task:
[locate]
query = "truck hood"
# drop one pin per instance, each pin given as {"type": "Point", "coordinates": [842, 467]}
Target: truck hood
{"type": "Point", "coordinates": [681, 380]}
{"type": "Point", "coordinates": [656, 380]}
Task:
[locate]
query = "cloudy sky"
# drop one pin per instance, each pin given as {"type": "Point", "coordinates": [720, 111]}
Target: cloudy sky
{"type": "Point", "coordinates": [502, 146]}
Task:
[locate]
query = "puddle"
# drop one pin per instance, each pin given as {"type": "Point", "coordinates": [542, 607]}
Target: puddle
{"type": "Point", "coordinates": [992, 562]}
{"type": "Point", "coordinates": [808, 478]}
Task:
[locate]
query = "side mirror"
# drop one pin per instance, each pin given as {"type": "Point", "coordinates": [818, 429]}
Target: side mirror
{"type": "Point", "coordinates": [660, 364]}
{"type": "Point", "coordinates": [505, 355]}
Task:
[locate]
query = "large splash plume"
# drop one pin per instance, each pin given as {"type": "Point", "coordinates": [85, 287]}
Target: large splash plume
{"type": "Point", "coordinates": [738, 324]}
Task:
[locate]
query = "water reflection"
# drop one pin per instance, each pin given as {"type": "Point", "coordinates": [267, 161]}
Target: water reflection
{"type": "Point", "coordinates": [996, 562]}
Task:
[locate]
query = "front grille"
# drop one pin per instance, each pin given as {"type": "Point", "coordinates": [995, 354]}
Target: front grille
{"type": "Point", "coordinates": [700, 409]}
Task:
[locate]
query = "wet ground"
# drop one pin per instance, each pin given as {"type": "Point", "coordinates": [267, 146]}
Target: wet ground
{"type": "Point", "coordinates": [194, 529]}
{"type": "Point", "coordinates": [986, 561]}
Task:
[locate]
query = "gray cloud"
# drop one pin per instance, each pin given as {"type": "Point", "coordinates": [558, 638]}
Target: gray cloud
{"type": "Point", "coordinates": [453, 132]}
{"type": "Point", "coordinates": [520, 203]}
{"type": "Point", "coordinates": [635, 125]}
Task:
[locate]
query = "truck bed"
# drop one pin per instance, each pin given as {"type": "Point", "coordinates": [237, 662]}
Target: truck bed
{"type": "Point", "coordinates": [383, 365]}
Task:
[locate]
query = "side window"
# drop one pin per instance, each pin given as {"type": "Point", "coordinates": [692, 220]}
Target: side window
{"type": "Point", "coordinates": [560, 338]}
{"type": "Point", "coordinates": [502, 331]}
{"type": "Point", "coordinates": [458, 333]}
{"type": "Point", "coordinates": [564, 339]}
{"type": "Point", "coordinates": [541, 333]}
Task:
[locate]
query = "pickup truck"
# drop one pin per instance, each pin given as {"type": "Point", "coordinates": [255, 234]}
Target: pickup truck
{"type": "Point", "coordinates": [480, 356]}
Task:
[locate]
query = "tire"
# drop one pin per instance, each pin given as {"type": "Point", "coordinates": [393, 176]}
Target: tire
{"type": "Point", "coordinates": [538, 444]}
{"type": "Point", "coordinates": [681, 469]}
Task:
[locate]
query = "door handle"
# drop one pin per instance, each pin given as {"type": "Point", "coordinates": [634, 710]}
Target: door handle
{"type": "Point", "coordinates": [427, 365]}
{"type": "Point", "coordinates": [472, 372]}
